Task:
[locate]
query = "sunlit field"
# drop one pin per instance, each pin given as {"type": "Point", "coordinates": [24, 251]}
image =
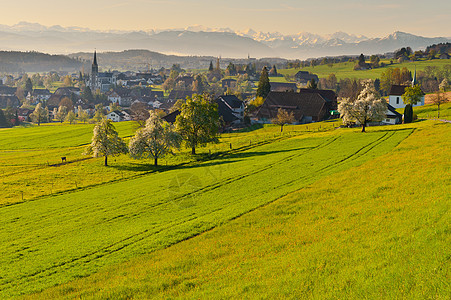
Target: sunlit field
{"type": "Point", "coordinates": [313, 211]}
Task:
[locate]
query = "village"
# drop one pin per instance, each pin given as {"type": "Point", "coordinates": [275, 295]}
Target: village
{"type": "Point", "coordinates": [125, 96]}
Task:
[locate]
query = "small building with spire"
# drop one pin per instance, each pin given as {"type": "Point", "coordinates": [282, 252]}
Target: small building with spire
{"type": "Point", "coordinates": [396, 92]}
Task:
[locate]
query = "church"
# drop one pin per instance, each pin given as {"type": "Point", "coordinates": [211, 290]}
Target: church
{"type": "Point", "coordinates": [102, 81]}
{"type": "Point", "coordinates": [396, 92]}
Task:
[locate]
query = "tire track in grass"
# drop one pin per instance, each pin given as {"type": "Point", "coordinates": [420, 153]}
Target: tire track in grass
{"type": "Point", "coordinates": [140, 236]}
{"type": "Point", "coordinates": [137, 237]}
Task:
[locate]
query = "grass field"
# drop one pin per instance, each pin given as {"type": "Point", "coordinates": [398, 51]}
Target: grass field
{"type": "Point", "coordinates": [298, 214]}
{"type": "Point", "coordinates": [30, 157]}
{"type": "Point", "coordinates": [346, 69]}
{"type": "Point", "coordinates": [344, 236]}
{"type": "Point", "coordinates": [429, 111]}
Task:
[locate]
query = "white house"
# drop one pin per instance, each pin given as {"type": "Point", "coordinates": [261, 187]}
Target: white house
{"type": "Point", "coordinates": [114, 97]}
{"type": "Point", "coordinates": [115, 116]}
{"type": "Point", "coordinates": [392, 117]}
{"type": "Point", "coordinates": [235, 105]}
{"type": "Point", "coordinates": [119, 116]}
{"type": "Point", "coordinates": [156, 104]}
{"type": "Point", "coordinates": [395, 97]}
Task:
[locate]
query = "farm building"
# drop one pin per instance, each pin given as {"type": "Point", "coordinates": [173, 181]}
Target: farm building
{"type": "Point", "coordinates": [309, 105]}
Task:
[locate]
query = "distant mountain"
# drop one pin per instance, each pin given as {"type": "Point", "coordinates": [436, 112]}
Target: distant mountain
{"type": "Point", "coordinates": [17, 62]}
{"type": "Point", "coordinates": [198, 40]}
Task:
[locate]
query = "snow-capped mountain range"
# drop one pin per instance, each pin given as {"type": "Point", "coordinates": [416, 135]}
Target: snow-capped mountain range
{"type": "Point", "coordinates": [200, 40]}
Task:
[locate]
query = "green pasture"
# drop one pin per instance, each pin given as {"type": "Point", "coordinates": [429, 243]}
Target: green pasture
{"type": "Point", "coordinates": [346, 69]}
{"type": "Point", "coordinates": [430, 111]}
{"type": "Point", "coordinates": [333, 215]}
{"type": "Point", "coordinates": [30, 157]}
{"type": "Point", "coordinates": [54, 239]}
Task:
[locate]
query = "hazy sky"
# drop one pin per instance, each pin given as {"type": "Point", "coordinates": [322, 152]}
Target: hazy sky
{"type": "Point", "coordinates": [370, 18]}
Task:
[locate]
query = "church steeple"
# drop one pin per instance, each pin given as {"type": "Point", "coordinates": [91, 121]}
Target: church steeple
{"type": "Point", "coordinates": [95, 66]}
{"type": "Point", "coordinates": [95, 58]}
{"type": "Point", "coordinates": [94, 72]}
{"type": "Point", "coordinates": [414, 79]}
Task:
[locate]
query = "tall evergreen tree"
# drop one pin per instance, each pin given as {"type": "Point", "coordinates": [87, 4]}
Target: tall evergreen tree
{"type": "Point", "coordinates": [408, 114]}
{"type": "Point", "coordinates": [210, 69]}
{"type": "Point", "coordinates": [264, 87]}
{"type": "Point", "coordinates": [28, 86]}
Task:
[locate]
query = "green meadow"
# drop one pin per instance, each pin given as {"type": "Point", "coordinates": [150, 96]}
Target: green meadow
{"type": "Point", "coordinates": [315, 211]}
{"type": "Point", "coordinates": [346, 69]}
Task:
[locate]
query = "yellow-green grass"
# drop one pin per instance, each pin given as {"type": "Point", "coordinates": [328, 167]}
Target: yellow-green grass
{"type": "Point", "coordinates": [30, 159]}
{"type": "Point", "coordinates": [55, 239]}
{"type": "Point", "coordinates": [379, 230]}
{"type": "Point", "coordinates": [346, 69]}
{"type": "Point", "coordinates": [430, 111]}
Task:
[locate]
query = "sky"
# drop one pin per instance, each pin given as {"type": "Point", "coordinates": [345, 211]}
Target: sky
{"type": "Point", "coordinates": [363, 17]}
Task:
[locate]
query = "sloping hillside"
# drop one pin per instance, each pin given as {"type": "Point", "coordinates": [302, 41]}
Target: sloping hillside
{"type": "Point", "coordinates": [377, 230]}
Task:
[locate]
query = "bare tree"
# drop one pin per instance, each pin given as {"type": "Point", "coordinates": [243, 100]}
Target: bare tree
{"type": "Point", "coordinates": [439, 99]}
{"type": "Point", "coordinates": [283, 117]}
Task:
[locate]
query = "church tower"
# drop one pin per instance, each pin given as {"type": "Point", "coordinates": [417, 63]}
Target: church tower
{"type": "Point", "coordinates": [414, 79]}
{"type": "Point", "coordinates": [94, 72]}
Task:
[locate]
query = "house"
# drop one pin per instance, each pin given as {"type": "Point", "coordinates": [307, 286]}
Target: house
{"type": "Point", "coordinates": [114, 97]}
{"type": "Point", "coordinates": [24, 114]}
{"type": "Point", "coordinates": [184, 81]}
{"type": "Point", "coordinates": [234, 104]}
{"type": "Point", "coordinates": [307, 106]}
{"type": "Point", "coordinates": [67, 91]}
{"type": "Point", "coordinates": [395, 97]}
{"type": "Point", "coordinates": [7, 90]}
{"type": "Point", "coordinates": [118, 116]}
{"type": "Point", "coordinates": [171, 117]}
{"type": "Point", "coordinates": [225, 114]}
{"type": "Point", "coordinates": [444, 56]}
{"type": "Point", "coordinates": [40, 95]}
{"type": "Point", "coordinates": [228, 83]}
{"type": "Point", "coordinates": [283, 87]}
{"type": "Point", "coordinates": [9, 101]}
{"type": "Point", "coordinates": [392, 116]}
{"type": "Point", "coordinates": [121, 96]}
{"type": "Point", "coordinates": [304, 77]}
{"type": "Point", "coordinates": [178, 94]}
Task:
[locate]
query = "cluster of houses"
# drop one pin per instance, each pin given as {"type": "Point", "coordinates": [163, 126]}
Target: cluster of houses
{"type": "Point", "coordinates": [307, 105]}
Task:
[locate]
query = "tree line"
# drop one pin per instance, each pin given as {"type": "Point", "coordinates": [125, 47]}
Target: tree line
{"type": "Point", "coordinates": [197, 125]}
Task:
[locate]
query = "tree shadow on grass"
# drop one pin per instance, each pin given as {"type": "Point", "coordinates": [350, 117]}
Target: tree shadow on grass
{"type": "Point", "coordinates": [201, 163]}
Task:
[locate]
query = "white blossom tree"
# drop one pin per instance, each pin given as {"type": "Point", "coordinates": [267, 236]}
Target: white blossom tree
{"type": "Point", "coordinates": [40, 114]}
{"type": "Point", "coordinates": [105, 141]}
{"type": "Point", "coordinates": [61, 113]}
{"type": "Point", "coordinates": [368, 107]}
{"type": "Point", "coordinates": [71, 117]}
{"type": "Point", "coordinates": [82, 115]}
{"type": "Point", "coordinates": [155, 140]}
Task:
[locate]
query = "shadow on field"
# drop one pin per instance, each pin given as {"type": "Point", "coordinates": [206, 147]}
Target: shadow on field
{"type": "Point", "coordinates": [201, 163]}
{"type": "Point", "coordinates": [263, 153]}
